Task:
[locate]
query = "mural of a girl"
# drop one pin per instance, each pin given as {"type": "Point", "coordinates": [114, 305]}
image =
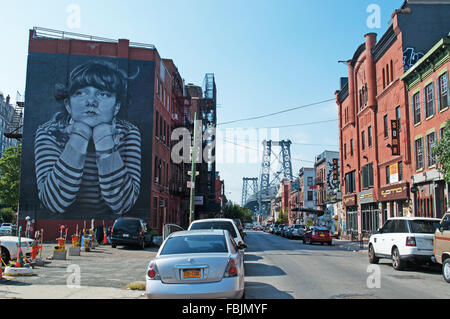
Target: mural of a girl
{"type": "Point", "coordinates": [86, 159]}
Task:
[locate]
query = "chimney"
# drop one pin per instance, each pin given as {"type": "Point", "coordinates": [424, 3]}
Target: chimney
{"type": "Point", "coordinates": [371, 40]}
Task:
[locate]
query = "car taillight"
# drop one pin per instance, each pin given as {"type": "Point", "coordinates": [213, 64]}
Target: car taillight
{"type": "Point", "coordinates": [140, 233]}
{"type": "Point", "coordinates": [112, 230]}
{"type": "Point", "coordinates": [410, 241]}
{"type": "Point", "coordinates": [152, 271]}
{"type": "Point", "coordinates": [231, 270]}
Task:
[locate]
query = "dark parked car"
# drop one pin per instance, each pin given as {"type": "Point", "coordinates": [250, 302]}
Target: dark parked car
{"type": "Point", "coordinates": [297, 231]}
{"type": "Point", "coordinates": [317, 234]}
{"type": "Point", "coordinates": [131, 231]}
{"type": "Point", "coordinates": [284, 231]}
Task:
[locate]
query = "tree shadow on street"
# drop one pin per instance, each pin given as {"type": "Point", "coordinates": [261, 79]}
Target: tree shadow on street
{"type": "Point", "coordinates": [259, 290]}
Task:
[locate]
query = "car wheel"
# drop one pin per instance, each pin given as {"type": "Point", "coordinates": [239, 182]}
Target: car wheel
{"type": "Point", "coordinates": [5, 256]}
{"type": "Point", "coordinates": [308, 241]}
{"type": "Point", "coordinates": [330, 243]}
{"type": "Point", "coordinates": [372, 258]}
{"type": "Point", "coordinates": [446, 270]}
{"type": "Point", "coordinates": [397, 262]}
{"type": "Point", "coordinates": [142, 245]}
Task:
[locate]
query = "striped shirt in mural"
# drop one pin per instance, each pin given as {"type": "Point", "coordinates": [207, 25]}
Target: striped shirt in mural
{"type": "Point", "coordinates": [65, 176]}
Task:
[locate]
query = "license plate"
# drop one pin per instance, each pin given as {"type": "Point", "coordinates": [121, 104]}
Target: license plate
{"type": "Point", "coordinates": [126, 235]}
{"type": "Point", "coordinates": [322, 235]}
{"type": "Point", "coordinates": [190, 274]}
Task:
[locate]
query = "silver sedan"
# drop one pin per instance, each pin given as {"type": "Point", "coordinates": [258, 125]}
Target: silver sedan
{"type": "Point", "coordinates": [197, 264]}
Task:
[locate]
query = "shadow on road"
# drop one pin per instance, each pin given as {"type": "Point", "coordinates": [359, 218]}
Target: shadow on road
{"type": "Point", "coordinates": [257, 269]}
{"type": "Point", "coordinates": [249, 257]}
{"type": "Point", "coordinates": [259, 290]}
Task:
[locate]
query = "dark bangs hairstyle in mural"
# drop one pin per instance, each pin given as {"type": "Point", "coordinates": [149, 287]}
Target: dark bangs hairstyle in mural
{"type": "Point", "coordinates": [86, 159]}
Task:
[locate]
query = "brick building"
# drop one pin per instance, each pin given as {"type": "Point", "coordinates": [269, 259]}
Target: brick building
{"type": "Point", "coordinates": [157, 103]}
{"type": "Point", "coordinates": [374, 116]}
{"type": "Point", "coordinates": [427, 84]}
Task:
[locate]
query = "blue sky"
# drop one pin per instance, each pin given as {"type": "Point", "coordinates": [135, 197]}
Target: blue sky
{"type": "Point", "coordinates": [266, 55]}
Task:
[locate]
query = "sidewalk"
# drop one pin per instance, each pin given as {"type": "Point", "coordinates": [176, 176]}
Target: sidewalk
{"type": "Point", "coordinates": [11, 289]}
{"type": "Point", "coordinates": [355, 246]}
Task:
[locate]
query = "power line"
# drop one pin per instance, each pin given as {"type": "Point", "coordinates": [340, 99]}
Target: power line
{"type": "Point", "coordinates": [276, 113]}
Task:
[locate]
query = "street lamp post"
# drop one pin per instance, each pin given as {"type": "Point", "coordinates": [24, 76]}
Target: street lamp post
{"type": "Point", "coordinates": [193, 156]}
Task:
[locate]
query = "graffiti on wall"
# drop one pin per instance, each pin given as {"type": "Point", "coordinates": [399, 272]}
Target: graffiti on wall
{"type": "Point", "coordinates": [410, 57]}
{"type": "Point", "coordinates": [85, 149]}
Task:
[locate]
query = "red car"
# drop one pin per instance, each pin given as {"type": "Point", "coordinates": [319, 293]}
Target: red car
{"type": "Point", "coordinates": [318, 234]}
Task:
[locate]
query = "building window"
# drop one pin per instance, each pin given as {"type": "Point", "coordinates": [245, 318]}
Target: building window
{"type": "Point", "coordinates": [387, 74]}
{"type": "Point", "coordinates": [418, 148]}
{"type": "Point", "coordinates": [429, 97]}
{"type": "Point", "coordinates": [367, 176]}
{"type": "Point", "coordinates": [369, 136]}
{"type": "Point", "coordinates": [386, 127]}
{"type": "Point", "coordinates": [400, 171]}
{"type": "Point", "coordinates": [345, 151]}
{"type": "Point", "coordinates": [388, 174]}
{"type": "Point", "coordinates": [416, 108]}
{"type": "Point", "coordinates": [350, 183]}
{"type": "Point", "coordinates": [310, 181]}
{"type": "Point", "coordinates": [398, 117]}
{"type": "Point", "coordinates": [363, 140]}
{"type": "Point", "coordinates": [157, 124]}
{"type": "Point", "coordinates": [310, 195]}
{"type": "Point", "coordinates": [384, 78]}
{"type": "Point", "coordinates": [351, 147]}
{"type": "Point", "coordinates": [392, 71]}
{"type": "Point", "coordinates": [431, 142]}
{"type": "Point", "coordinates": [444, 98]}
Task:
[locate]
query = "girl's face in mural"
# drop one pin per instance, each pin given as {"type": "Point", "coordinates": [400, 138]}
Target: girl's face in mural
{"type": "Point", "coordinates": [92, 106]}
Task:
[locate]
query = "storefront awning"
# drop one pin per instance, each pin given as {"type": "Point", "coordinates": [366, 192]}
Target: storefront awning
{"type": "Point", "coordinates": [309, 210]}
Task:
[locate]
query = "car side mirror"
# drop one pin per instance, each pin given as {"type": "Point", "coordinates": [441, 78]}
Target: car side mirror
{"type": "Point", "coordinates": [242, 246]}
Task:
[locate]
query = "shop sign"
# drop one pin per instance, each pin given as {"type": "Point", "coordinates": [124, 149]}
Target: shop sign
{"type": "Point", "coordinates": [366, 197]}
{"type": "Point", "coordinates": [349, 200]}
{"type": "Point", "coordinates": [394, 192]}
{"type": "Point", "coordinates": [395, 143]}
{"type": "Point", "coordinates": [393, 169]}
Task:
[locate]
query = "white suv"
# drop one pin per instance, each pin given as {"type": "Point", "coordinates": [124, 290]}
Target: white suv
{"type": "Point", "coordinates": [403, 239]}
{"type": "Point", "coordinates": [219, 223]}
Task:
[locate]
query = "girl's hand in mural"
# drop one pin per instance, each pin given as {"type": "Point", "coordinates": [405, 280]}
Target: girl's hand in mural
{"type": "Point", "coordinates": [80, 134]}
{"type": "Point", "coordinates": [103, 137]}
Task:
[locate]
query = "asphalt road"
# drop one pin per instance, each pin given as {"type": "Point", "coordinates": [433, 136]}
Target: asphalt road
{"type": "Point", "coordinates": [276, 268]}
{"type": "Point", "coordinates": [279, 268]}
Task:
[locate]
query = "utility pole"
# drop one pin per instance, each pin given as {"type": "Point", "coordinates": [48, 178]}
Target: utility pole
{"type": "Point", "coordinates": [193, 155]}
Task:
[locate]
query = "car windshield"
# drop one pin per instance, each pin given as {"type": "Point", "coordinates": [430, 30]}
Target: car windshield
{"type": "Point", "coordinates": [197, 244]}
{"type": "Point", "coordinates": [215, 225]}
{"type": "Point", "coordinates": [128, 225]}
{"type": "Point", "coordinates": [422, 226]}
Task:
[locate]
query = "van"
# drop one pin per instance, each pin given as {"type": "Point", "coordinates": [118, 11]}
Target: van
{"type": "Point", "coordinates": [442, 245]}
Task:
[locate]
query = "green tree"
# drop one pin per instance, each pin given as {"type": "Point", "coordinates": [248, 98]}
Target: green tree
{"type": "Point", "coordinates": [442, 150]}
{"type": "Point", "coordinates": [10, 176]}
{"type": "Point", "coordinates": [282, 216]}
{"type": "Point", "coordinates": [8, 215]}
{"type": "Point", "coordinates": [236, 211]}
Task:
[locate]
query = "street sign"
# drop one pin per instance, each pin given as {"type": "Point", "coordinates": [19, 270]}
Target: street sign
{"type": "Point", "coordinates": [190, 184]}
{"type": "Point", "coordinates": [335, 169]}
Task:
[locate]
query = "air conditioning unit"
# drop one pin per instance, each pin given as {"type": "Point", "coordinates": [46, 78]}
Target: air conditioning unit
{"type": "Point", "coordinates": [156, 180]}
{"type": "Point", "coordinates": [175, 117]}
{"type": "Point", "coordinates": [162, 203]}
